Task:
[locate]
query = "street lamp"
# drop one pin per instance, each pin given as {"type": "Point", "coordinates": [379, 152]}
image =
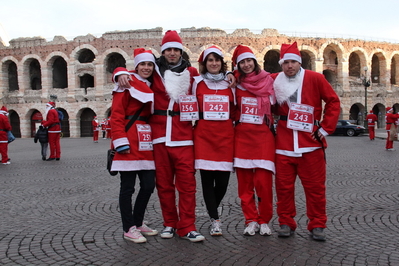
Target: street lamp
{"type": "Point", "coordinates": [366, 84]}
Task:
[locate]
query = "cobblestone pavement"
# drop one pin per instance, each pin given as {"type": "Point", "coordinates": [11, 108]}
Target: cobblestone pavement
{"type": "Point", "coordinates": [66, 213]}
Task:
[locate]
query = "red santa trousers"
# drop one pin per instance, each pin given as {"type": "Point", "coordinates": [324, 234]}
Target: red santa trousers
{"type": "Point", "coordinates": [4, 152]}
{"type": "Point", "coordinates": [175, 170]}
{"type": "Point", "coordinates": [389, 143]}
{"type": "Point", "coordinates": [95, 135]}
{"type": "Point", "coordinates": [54, 142]}
{"type": "Point", "coordinates": [371, 133]}
{"type": "Point", "coordinates": [311, 169]}
{"type": "Point", "coordinates": [259, 181]}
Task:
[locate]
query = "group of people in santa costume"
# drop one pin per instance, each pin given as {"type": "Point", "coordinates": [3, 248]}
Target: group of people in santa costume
{"type": "Point", "coordinates": [233, 129]}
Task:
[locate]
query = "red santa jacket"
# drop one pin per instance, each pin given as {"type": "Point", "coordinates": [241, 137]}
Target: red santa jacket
{"type": "Point", "coordinates": [169, 129]}
{"type": "Point", "coordinates": [312, 90]}
{"type": "Point", "coordinates": [95, 125]}
{"type": "Point", "coordinates": [371, 118]}
{"type": "Point", "coordinates": [4, 127]}
{"type": "Point", "coordinates": [52, 122]}
{"type": "Point", "coordinates": [390, 119]}
{"type": "Point", "coordinates": [125, 103]}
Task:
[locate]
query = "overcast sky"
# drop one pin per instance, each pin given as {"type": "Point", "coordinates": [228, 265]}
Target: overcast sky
{"type": "Point", "coordinates": [367, 19]}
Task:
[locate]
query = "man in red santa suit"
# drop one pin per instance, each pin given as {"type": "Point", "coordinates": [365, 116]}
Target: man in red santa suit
{"type": "Point", "coordinates": [4, 127]}
{"type": "Point", "coordinates": [371, 118]}
{"type": "Point", "coordinates": [390, 119]}
{"type": "Point", "coordinates": [96, 129]}
{"type": "Point", "coordinates": [300, 140]}
{"type": "Point", "coordinates": [53, 124]}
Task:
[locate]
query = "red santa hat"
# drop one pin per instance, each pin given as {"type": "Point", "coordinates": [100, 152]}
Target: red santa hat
{"type": "Point", "coordinates": [171, 40]}
{"type": "Point", "coordinates": [142, 55]}
{"type": "Point", "coordinates": [206, 52]}
{"type": "Point", "coordinates": [242, 52]}
{"type": "Point", "coordinates": [371, 111]}
{"type": "Point", "coordinates": [290, 52]}
{"type": "Point", "coordinates": [51, 104]}
{"type": "Point", "coordinates": [3, 108]}
{"type": "Point", "coordinates": [388, 109]}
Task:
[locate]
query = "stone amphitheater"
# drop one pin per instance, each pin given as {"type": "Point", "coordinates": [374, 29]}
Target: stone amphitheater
{"type": "Point", "coordinates": [76, 74]}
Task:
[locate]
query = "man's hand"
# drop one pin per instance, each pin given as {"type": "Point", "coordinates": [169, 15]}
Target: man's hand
{"type": "Point", "coordinates": [123, 81]}
{"type": "Point", "coordinates": [317, 137]}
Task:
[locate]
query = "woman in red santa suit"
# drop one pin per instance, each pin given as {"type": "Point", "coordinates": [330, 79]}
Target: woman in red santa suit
{"type": "Point", "coordinates": [214, 132]}
{"type": "Point", "coordinates": [53, 124]}
{"type": "Point", "coordinates": [134, 155]}
{"type": "Point", "coordinates": [254, 141]}
{"type": "Point", "coordinates": [390, 119]}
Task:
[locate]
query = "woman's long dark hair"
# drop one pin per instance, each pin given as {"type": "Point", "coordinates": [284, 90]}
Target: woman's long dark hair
{"type": "Point", "coordinates": [203, 69]}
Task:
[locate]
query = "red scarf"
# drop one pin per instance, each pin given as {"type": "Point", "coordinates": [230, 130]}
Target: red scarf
{"type": "Point", "coordinates": [262, 86]}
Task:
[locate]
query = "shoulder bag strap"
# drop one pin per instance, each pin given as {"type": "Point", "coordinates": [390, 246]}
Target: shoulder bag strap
{"type": "Point", "coordinates": [134, 118]}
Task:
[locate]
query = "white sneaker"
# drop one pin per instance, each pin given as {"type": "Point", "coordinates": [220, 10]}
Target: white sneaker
{"type": "Point", "coordinates": [167, 232]}
{"type": "Point", "coordinates": [265, 230]}
{"type": "Point", "coordinates": [194, 236]}
{"type": "Point", "coordinates": [134, 235]}
{"type": "Point", "coordinates": [7, 163]}
{"type": "Point", "coordinates": [251, 229]}
{"type": "Point", "coordinates": [145, 230]}
{"type": "Point", "coordinates": [216, 229]}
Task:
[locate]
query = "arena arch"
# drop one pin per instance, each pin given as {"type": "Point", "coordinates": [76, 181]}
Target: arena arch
{"type": "Point", "coordinates": [32, 72]}
{"type": "Point", "coordinates": [86, 115]}
{"type": "Point", "coordinates": [395, 69]}
{"type": "Point", "coordinates": [356, 113]}
{"type": "Point", "coordinates": [378, 68]}
{"type": "Point", "coordinates": [9, 72]}
{"type": "Point", "coordinates": [15, 123]}
{"type": "Point", "coordinates": [379, 111]}
{"type": "Point", "coordinates": [59, 74]}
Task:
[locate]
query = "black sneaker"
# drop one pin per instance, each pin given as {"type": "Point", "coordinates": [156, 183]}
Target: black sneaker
{"type": "Point", "coordinates": [194, 236]}
{"type": "Point", "coordinates": [318, 234]}
{"type": "Point", "coordinates": [285, 231]}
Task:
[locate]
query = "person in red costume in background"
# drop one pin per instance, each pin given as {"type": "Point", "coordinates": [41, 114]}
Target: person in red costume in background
{"type": "Point", "coordinates": [390, 119]}
{"type": "Point", "coordinates": [104, 127]}
{"type": "Point", "coordinates": [214, 132]}
{"type": "Point", "coordinates": [371, 119]}
{"type": "Point", "coordinates": [300, 140]}
{"type": "Point", "coordinates": [53, 125]}
{"type": "Point", "coordinates": [96, 129]}
{"type": "Point", "coordinates": [4, 127]}
{"type": "Point", "coordinates": [254, 148]}
{"type": "Point", "coordinates": [134, 151]}
{"type": "Point", "coordinates": [108, 128]}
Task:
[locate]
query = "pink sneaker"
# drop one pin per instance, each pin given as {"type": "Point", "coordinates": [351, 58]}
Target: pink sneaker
{"type": "Point", "coordinates": [134, 235]}
{"type": "Point", "coordinates": [145, 230]}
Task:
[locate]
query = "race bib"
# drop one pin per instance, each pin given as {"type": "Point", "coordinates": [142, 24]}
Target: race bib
{"type": "Point", "coordinates": [144, 137]}
{"type": "Point", "coordinates": [188, 108]}
{"type": "Point", "coordinates": [216, 107]}
{"type": "Point", "coordinates": [300, 117]}
{"type": "Point", "coordinates": [249, 111]}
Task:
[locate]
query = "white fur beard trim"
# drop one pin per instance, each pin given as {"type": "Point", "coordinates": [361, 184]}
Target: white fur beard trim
{"type": "Point", "coordinates": [284, 87]}
{"type": "Point", "coordinates": [177, 84]}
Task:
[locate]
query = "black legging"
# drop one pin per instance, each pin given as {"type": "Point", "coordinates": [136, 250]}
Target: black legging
{"type": "Point", "coordinates": [214, 187]}
{"type": "Point", "coordinates": [134, 217]}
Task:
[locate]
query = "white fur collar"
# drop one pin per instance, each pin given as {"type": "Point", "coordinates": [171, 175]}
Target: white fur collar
{"type": "Point", "coordinates": [177, 84]}
{"type": "Point", "coordinates": [284, 87]}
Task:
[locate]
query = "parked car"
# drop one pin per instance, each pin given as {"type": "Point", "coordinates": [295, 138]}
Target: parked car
{"type": "Point", "coordinates": [345, 127]}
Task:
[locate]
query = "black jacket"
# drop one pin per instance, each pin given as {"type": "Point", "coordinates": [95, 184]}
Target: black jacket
{"type": "Point", "coordinates": [41, 135]}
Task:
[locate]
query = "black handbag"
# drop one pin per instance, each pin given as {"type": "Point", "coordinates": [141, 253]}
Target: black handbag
{"type": "Point", "coordinates": [111, 152]}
